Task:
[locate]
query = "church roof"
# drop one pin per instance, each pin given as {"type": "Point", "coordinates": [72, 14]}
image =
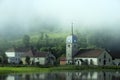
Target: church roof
{"type": "Point", "coordinates": [18, 50]}
{"type": "Point", "coordinates": [62, 58]}
{"type": "Point", "coordinates": [89, 53]}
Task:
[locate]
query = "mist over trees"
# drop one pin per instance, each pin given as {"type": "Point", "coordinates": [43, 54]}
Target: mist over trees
{"type": "Point", "coordinates": [26, 41]}
{"type": "Point", "coordinates": [104, 39]}
{"type": "Point", "coordinates": [49, 41]}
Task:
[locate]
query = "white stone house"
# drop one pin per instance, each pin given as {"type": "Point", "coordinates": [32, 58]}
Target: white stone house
{"type": "Point", "coordinates": [15, 56]}
{"type": "Point", "coordinates": [27, 53]}
{"type": "Point", "coordinates": [93, 57]}
{"type": "Point", "coordinates": [43, 58]}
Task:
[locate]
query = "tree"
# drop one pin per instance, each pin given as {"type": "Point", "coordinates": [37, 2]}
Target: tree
{"type": "Point", "coordinates": [44, 49]}
{"type": "Point", "coordinates": [46, 40]}
{"type": "Point", "coordinates": [26, 41]}
{"type": "Point", "coordinates": [42, 36]}
{"type": "Point", "coordinates": [1, 59]}
{"type": "Point", "coordinates": [5, 59]}
{"type": "Point", "coordinates": [27, 60]}
{"type": "Point", "coordinates": [40, 42]}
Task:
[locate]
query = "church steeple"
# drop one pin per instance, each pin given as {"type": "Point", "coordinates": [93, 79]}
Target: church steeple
{"type": "Point", "coordinates": [71, 46]}
{"type": "Point", "coordinates": [72, 28]}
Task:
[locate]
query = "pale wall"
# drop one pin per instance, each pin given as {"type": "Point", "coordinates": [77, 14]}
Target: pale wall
{"type": "Point", "coordinates": [88, 59]}
{"type": "Point", "coordinates": [96, 61]}
{"type": "Point", "coordinates": [23, 59]}
{"type": "Point", "coordinates": [107, 58]}
{"type": "Point", "coordinates": [10, 54]}
{"type": "Point", "coordinates": [13, 57]}
{"type": "Point", "coordinates": [41, 60]}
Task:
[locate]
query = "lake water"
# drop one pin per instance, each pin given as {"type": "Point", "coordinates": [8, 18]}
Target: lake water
{"type": "Point", "coordinates": [81, 75]}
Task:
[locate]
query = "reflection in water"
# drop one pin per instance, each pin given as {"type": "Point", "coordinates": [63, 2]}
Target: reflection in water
{"type": "Point", "coordinates": [83, 75]}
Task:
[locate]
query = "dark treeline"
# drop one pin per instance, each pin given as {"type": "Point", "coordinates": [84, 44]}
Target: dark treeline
{"type": "Point", "coordinates": [100, 39]}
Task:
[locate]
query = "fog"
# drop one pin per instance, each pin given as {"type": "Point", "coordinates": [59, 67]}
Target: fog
{"type": "Point", "coordinates": [101, 17]}
{"type": "Point", "coordinates": [84, 13]}
{"type": "Point", "coordinates": [23, 16]}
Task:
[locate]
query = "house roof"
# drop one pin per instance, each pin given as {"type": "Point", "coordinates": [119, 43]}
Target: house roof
{"type": "Point", "coordinates": [11, 50]}
{"type": "Point", "coordinates": [40, 54]}
{"type": "Point", "coordinates": [17, 50]}
{"type": "Point", "coordinates": [62, 58]}
{"type": "Point", "coordinates": [89, 53]}
{"type": "Point", "coordinates": [28, 53]}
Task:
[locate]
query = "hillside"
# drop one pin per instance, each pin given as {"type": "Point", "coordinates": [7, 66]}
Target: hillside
{"type": "Point", "coordinates": [55, 40]}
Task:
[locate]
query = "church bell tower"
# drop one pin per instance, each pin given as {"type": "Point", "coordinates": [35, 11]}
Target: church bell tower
{"type": "Point", "coordinates": [71, 47]}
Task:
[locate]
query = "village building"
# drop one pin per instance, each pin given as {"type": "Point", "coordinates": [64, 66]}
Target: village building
{"type": "Point", "coordinates": [85, 57]}
{"type": "Point", "coordinates": [116, 61]}
{"type": "Point", "coordinates": [14, 55]}
{"type": "Point", "coordinates": [93, 57]}
{"type": "Point", "coordinates": [115, 58]}
{"type": "Point", "coordinates": [75, 56]}
{"type": "Point", "coordinates": [44, 58]}
{"type": "Point", "coordinates": [27, 56]}
{"type": "Point", "coordinates": [62, 60]}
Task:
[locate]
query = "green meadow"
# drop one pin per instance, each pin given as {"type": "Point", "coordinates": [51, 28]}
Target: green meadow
{"type": "Point", "coordinates": [5, 70]}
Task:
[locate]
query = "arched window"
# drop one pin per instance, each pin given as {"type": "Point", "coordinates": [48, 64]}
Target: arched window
{"type": "Point", "coordinates": [68, 45]}
{"type": "Point", "coordinates": [99, 60]}
{"type": "Point", "coordinates": [109, 60]}
{"type": "Point", "coordinates": [104, 62]}
{"type": "Point", "coordinates": [91, 62]}
{"type": "Point", "coordinates": [104, 56]}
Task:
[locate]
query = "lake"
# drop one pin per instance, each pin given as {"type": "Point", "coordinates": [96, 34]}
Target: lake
{"type": "Point", "coordinates": [71, 75]}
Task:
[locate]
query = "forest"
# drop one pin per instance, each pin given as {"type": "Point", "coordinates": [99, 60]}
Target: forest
{"type": "Point", "coordinates": [54, 40]}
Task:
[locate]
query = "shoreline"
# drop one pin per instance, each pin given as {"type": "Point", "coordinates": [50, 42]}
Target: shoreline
{"type": "Point", "coordinates": [32, 69]}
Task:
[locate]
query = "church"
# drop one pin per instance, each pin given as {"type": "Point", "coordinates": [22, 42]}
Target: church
{"type": "Point", "coordinates": [75, 56]}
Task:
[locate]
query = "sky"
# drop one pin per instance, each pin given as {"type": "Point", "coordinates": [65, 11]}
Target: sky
{"type": "Point", "coordinates": [87, 14]}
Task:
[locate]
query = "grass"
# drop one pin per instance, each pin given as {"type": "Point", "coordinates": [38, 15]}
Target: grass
{"type": "Point", "coordinates": [5, 70]}
{"type": "Point", "coordinates": [96, 68]}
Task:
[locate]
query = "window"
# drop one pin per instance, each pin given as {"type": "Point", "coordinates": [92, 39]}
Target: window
{"type": "Point", "coordinates": [104, 62]}
{"type": "Point", "coordinates": [109, 60]}
{"type": "Point", "coordinates": [68, 45]}
{"type": "Point", "coordinates": [91, 62]}
{"type": "Point", "coordinates": [113, 58]}
{"type": "Point", "coordinates": [104, 56]}
{"type": "Point", "coordinates": [75, 41]}
{"type": "Point", "coordinates": [37, 58]}
{"type": "Point", "coordinates": [69, 62]}
{"type": "Point", "coordinates": [99, 60]}
{"type": "Point", "coordinates": [75, 60]}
